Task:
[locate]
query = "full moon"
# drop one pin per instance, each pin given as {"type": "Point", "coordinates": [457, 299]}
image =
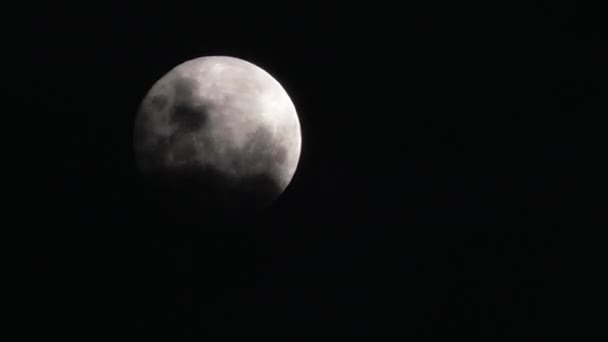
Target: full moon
{"type": "Point", "coordinates": [219, 132]}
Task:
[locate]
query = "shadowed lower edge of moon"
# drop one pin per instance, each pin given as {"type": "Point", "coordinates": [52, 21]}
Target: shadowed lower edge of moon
{"type": "Point", "coordinates": [197, 192]}
{"type": "Point", "coordinates": [188, 189]}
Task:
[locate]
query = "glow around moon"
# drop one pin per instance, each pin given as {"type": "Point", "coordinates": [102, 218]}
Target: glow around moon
{"type": "Point", "coordinates": [221, 129]}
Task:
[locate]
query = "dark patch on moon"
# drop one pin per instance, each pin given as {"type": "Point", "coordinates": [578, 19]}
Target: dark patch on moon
{"type": "Point", "coordinates": [158, 102]}
{"type": "Point", "coordinates": [186, 117]}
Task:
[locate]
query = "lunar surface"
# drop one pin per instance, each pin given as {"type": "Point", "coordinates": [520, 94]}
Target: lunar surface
{"type": "Point", "coordinates": [219, 135]}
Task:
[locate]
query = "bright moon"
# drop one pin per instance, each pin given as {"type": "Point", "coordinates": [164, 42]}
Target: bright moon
{"type": "Point", "coordinates": [221, 130]}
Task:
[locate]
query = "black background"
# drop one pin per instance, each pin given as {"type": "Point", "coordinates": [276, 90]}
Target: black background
{"type": "Point", "coordinates": [437, 194]}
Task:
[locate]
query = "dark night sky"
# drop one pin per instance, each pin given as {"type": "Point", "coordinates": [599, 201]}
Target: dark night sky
{"type": "Point", "coordinates": [436, 194]}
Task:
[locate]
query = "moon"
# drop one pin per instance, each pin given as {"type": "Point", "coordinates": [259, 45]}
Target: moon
{"type": "Point", "coordinates": [219, 133]}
